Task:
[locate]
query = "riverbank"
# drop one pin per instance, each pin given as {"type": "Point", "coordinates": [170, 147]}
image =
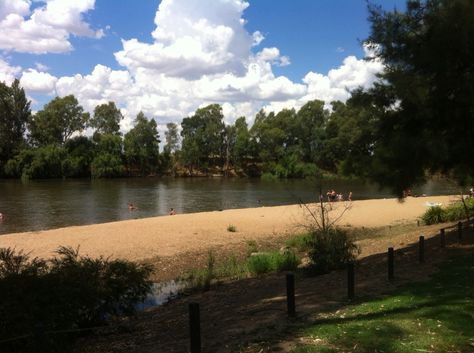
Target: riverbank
{"type": "Point", "coordinates": [169, 236]}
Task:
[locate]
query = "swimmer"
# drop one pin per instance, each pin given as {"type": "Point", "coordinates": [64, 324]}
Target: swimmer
{"type": "Point", "coordinates": [131, 207]}
{"type": "Point", "coordinates": [172, 212]}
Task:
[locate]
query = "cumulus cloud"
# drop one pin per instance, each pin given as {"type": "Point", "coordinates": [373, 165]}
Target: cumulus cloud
{"type": "Point", "coordinates": [38, 82]}
{"type": "Point", "coordinates": [200, 54]}
{"type": "Point", "coordinates": [47, 28]}
{"type": "Point", "coordinates": [7, 72]}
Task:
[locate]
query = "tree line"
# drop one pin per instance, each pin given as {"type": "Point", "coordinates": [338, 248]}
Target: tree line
{"type": "Point", "coordinates": [51, 143]}
{"type": "Point", "coordinates": [416, 121]}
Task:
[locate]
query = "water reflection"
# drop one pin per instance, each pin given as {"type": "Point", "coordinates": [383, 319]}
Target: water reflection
{"type": "Point", "coordinates": [162, 293]}
{"type": "Point", "coordinates": [50, 204]}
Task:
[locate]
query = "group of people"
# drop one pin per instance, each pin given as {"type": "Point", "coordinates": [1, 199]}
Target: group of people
{"type": "Point", "coordinates": [332, 196]}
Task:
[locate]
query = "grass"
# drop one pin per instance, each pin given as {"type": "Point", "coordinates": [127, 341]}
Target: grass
{"type": "Point", "coordinates": [435, 316]}
{"type": "Point", "coordinates": [231, 228]}
{"type": "Point", "coordinates": [453, 212]}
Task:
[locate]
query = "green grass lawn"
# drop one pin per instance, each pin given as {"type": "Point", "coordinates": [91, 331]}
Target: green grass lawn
{"type": "Point", "coordinates": [433, 316]}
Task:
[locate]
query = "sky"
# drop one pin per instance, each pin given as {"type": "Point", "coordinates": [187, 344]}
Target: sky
{"type": "Point", "coordinates": [167, 58]}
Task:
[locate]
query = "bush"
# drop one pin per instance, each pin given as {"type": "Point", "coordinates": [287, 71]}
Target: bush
{"type": "Point", "coordinates": [66, 293]}
{"type": "Point", "coordinates": [259, 264]}
{"type": "Point", "coordinates": [269, 262]}
{"type": "Point", "coordinates": [331, 249]}
{"type": "Point", "coordinates": [231, 228]}
{"type": "Point", "coordinates": [434, 215]}
{"type": "Point", "coordinates": [453, 212]}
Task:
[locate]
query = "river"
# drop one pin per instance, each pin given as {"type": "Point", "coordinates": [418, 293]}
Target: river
{"type": "Point", "coordinates": [47, 204]}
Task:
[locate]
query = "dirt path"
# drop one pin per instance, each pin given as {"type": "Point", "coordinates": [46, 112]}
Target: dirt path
{"type": "Point", "coordinates": [235, 316]}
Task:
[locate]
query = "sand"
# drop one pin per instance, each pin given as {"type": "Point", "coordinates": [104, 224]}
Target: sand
{"type": "Point", "coordinates": [171, 235]}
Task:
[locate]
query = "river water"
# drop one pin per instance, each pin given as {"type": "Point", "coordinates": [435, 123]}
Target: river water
{"type": "Point", "coordinates": [47, 204]}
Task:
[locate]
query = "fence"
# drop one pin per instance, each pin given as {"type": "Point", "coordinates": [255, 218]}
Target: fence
{"type": "Point", "coordinates": [195, 342]}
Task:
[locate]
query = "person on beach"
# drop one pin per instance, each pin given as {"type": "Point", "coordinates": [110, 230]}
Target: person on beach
{"type": "Point", "coordinates": [172, 212]}
{"type": "Point", "coordinates": [1, 216]}
{"type": "Point", "coordinates": [349, 197]}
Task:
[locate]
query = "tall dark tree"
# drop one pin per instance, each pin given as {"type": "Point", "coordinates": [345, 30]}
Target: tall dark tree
{"type": "Point", "coordinates": [14, 115]}
{"type": "Point", "coordinates": [58, 120]}
{"type": "Point", "coordinates": [203, 137]}
{"type": "Point", "coordinates": [426, 98]}
{"type": "Point", "coordinates": [171, 137]}
{"type": "Point", "coordinates": [141, 145]}
{"type": "Point", "coordinates": [106, 120]}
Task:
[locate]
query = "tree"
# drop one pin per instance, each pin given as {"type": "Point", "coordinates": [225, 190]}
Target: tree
{"type": "Point", "coordinates": [141, 145]}
{"type": "Point", "coordinates": [203, 136]}
{"type": "Point", "coordinates": [241, 149]}
{"type": "Point", "coordinates": [172, 137]}
{"type": "Point", "coordinates": [58, 120]}
{"type": "Point", "coordinates": [426, 97]}
{"type": "Point", "coordinates": [14, 115]}
{"type": "Point", "coordinates": [108, 161]}
{"type": "Point", "coordinates": [106, 120]}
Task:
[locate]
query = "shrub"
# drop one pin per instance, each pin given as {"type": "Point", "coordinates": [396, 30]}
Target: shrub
{"type": "Point", "coordinates": [300, 242]}
{"type": "Point", "coordinates": [259, 264]}
{"type": "Point", "coordinates": [67, 293]}
{"type": "Point", "coordinates": [331, 249]}
{"type": "Point", "coordinates": [453, 212]}
{"type": "Point", "coordinates": [231, 228]}
{"type": "Point", "coordinates": [434, 215]}
{"type": "Point", "coordinates": [269, 262]}
{"type": "Point", "coordinates": [288, 261]}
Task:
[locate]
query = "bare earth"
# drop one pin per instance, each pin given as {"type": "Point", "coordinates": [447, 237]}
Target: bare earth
{"type": "Point", "coordinates": [169, 236]}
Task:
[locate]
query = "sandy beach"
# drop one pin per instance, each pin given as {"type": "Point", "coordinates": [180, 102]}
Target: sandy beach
{"type": "Point", "coordinates": [171, 235]}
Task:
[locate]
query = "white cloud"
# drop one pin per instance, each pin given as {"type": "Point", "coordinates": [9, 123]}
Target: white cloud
{"type": "Point", "coordinates": [47, 28]}
{"type": "Point", "coordinates": [38, 82]}
{"type": "Point", "coordinates": [7, 72]}
{"type": "Point", "coordinates": [201, 53]}
{"type": "Point", "coordinates": [41, 67]}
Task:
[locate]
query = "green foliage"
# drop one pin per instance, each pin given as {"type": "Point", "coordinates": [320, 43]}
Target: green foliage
{"type": "Point", "coordinates": [141, 145]}
{"type": "Point", "coordinates": [261, 263]}
{"type": "Point", "coordinates": [58, 120]}
{"type": "Point", "coordinates": [15, 112]}
{"type": "Point", "coordinates": [424, 104]}
{"type": "Point", "coordinates": [69, 292]}
{"type": "Point", "coordinates": [453, 212]}
{"type": "Point", "coordinates": [301, 242]}
{"type": "Point", "coordinates": [108, 161]}
{"type": "Point", "coordinates": [106, 120]}
{"type": "Point", "coordinates": [331, 249]}
{"type": "Point", "coordinates": [433, 316]}
{"type": "Point", "coordinates": [203, 137]}
{"type": "Point", "coordinates": [433, 215]}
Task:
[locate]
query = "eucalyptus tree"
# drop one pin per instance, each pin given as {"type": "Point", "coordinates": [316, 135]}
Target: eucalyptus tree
{"type": "Point", "coordinates": [57, 121]}
{"type": "Point", "coordinates": [141, 145]}
{"type": "Point", "coordinates": [15, 113]}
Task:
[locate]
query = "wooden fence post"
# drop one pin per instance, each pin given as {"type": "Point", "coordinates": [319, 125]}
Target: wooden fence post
{"type": "Point", "coordinates": [390, 264]}
{"type": "Point", "coordinates": [442, 237]}
{"type": "Point", "coordinates": [195, 328]}
{"type": "Point", "coordinates": [350, 281]}
{"type": "Point", "coordinates": [421, 249]}
{"type": "Point", "coordinates": [290, 294]}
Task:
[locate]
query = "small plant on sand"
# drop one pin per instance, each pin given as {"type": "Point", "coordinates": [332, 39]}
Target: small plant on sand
{"type": "Point", "coordinates": [252, 247]}
{"type": "Point", "coordinates": [261, 263]}
{"type": "Point", "coordinates": [329, 246]}
{"type": "Point", "coordinates": [231, 228]}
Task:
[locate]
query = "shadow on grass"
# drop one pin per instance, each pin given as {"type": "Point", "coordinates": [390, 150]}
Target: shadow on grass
{"type": "Point", "coordinates": [434, 316]}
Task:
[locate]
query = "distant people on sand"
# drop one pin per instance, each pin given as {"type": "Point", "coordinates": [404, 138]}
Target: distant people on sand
{"type": "Point", "coordinates": [349, 197]}
{"type": "Point", "coordinates": [332, 196]}
{"type": "Point", "coordinates": [131, 207]}
{"type": "Point", "coordinates": [172, 212]}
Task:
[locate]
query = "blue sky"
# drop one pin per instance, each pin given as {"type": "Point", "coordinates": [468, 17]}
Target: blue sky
{"type": "Point", "coordinates": [246, 56]}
